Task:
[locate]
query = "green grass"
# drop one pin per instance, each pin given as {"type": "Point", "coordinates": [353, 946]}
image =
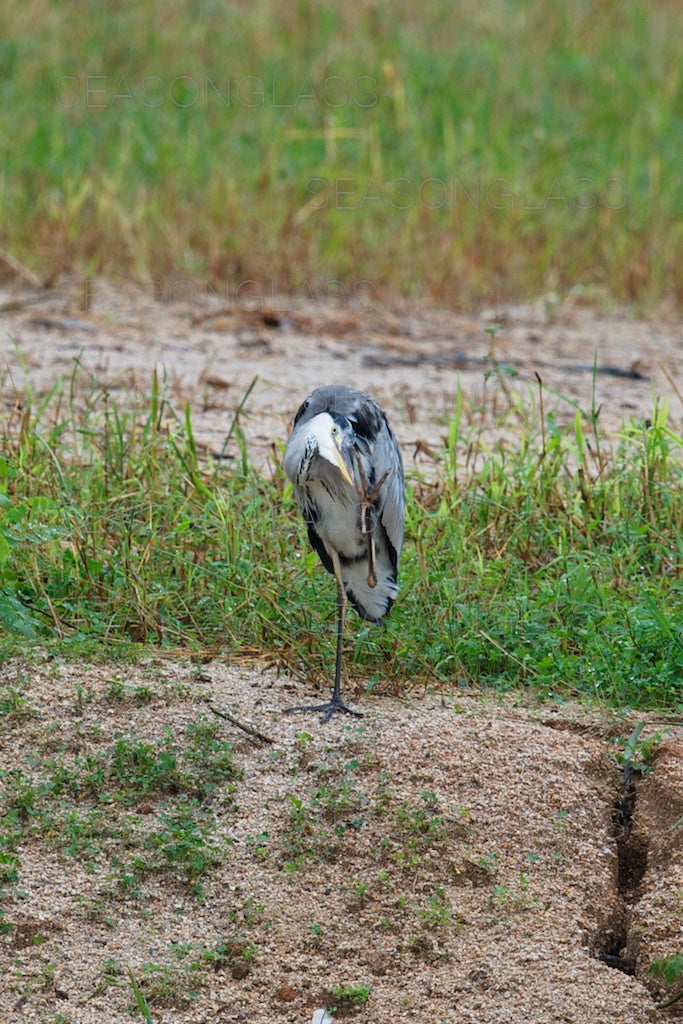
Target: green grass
{"type": "Point", "coordinates": [551, 563]}
{"type": "Point", "coordinates": [468, 152]}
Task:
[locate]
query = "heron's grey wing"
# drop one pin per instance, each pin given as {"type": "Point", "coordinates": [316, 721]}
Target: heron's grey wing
{"type": "Point", "coordinates": [386, 455]}
{"type": "Point", "coordinates": [382, 448]}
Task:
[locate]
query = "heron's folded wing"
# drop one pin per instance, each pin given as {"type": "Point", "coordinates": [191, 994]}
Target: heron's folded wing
{"type": "Point", "coordinates": [391, 499]}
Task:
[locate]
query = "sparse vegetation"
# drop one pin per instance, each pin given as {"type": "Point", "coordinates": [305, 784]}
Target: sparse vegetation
{"type": "Point", "coordinates": [133, 808]}
{"type": "Point", "coordinates": [174, 984]}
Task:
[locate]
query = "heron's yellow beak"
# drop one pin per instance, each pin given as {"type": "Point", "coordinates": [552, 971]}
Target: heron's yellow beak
{"type": "Point", "coordinates": [341, 464]}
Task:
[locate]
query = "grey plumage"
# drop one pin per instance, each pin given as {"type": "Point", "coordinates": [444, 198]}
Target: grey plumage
{"type": "Point", "coordinates": [346, 469]}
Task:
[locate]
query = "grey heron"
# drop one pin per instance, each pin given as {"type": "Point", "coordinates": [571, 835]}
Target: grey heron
{"type": "Point", "coordinates": [347, 472]}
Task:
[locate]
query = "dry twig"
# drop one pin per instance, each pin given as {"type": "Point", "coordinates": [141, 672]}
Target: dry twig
{"type": "Point", "coordinates": [240, 725]}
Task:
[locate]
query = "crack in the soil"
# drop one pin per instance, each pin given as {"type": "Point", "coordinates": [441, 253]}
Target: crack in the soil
{"type": "Point", "coordinates": [632, 848]}
{"type": "Point", "coordinates": [616, 944]}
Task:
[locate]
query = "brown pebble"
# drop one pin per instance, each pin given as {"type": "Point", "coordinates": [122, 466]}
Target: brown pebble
{"type": "Point", "coordinates": [286, 993]}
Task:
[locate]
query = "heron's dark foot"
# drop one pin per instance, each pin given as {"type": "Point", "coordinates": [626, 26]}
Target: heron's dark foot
{"type": "Point", "coordinates": [332, 706]}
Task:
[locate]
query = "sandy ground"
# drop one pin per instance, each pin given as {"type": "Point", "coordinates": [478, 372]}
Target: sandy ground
{"type": "Point", "coordinates": [511, 912]}
{"type": "Point", "coordinates": [501, 916]}
{"type": "Point", "coordinates": [413, 359]}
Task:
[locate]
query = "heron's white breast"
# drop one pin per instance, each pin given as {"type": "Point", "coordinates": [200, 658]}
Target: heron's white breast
{"type": "Point", "coordinates": [337, 522]}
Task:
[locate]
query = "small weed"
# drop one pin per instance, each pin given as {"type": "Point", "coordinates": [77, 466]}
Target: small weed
{"type": "Point", "coordinates": [14, 703]}
{"type": "Point", "coordinates": [319, 823]}
{"type": "Point", "coordinates": [670, 968]}
{"type": "Point", "coordinates": [118, 692]}
{"type": "Point", "coordinates": [137, 769]}
{"type": "Point", "coordinates": [252, 912]}
{"type": "Point", "coordinates": [336, 801]}
{"type": "Point", "coordinates": [260, 846]}
{"type": "Point", "coordinates": [9, 865]}
{"type": "Point", "coordinates": [140, 1000]}
{"type": "Point", "coordinates": [351, 995]}
{"type": "Point", "coordinates": [162, 985]}
{"type": "Point", "coordinates": [488, 864]}
{"type": "Point", "coordinates": [424, 826]}
{"type": "Point", "coordinates": [113, 976]}
{"type": "Point", "coordinates": [236, 954]}
{"type": "Point", "coordinates": [23, 796]}
{"type": "Point", "coordinates": [356, 891]}
{"type": "Point", "coordinates": [174, 984]}
{"type": "Point", "coordinates": [211, 759]}
{"type": "Point", "coordinates": [81, 832]}
{"type": "Point", "coordinates": [500, 895]}
{"type": "Point", "coordinates": [438, 911]}
{"type": "Point", "coordinates": [97, 910]}
{"type": "Point", "coordinates": [513, 898]}
{"type": "Point", "coordinates": [9, 877]}
{"type": "Point", "coordinates": [183, 842]}
{"type": "Point", "coordinates": [636, 754]}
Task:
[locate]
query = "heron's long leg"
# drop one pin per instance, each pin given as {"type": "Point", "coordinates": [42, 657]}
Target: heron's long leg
{"type": "Point", "coordinates": [337, 703]}
{"type": "Point", "coordinates": [341, 610]}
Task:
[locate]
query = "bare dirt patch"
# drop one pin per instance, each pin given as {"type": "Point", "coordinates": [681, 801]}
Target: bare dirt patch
{"type": "Point", "coordinates": [457, 857]}
{"type": "Point", "coordinates": [413, 359]}
{"type": "Point", "coordinates": [450, 858]}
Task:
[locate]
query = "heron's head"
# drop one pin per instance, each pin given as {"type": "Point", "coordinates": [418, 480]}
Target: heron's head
{"type": "Point", "coordinates": [330, 437]}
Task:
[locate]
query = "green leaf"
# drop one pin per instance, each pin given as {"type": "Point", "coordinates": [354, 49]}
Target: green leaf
{"type": "Point", "coordinates": [669, 967]}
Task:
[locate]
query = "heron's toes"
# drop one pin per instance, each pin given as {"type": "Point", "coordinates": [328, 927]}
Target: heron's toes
{"type": "Point", "coordinates": [330, 708]}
